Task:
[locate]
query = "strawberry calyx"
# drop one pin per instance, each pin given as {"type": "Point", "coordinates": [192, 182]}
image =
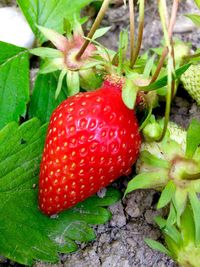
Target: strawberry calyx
{"type": "Point", "coordinates": [71, 50]}
{"type": "Point", "coordinates": [171, 166]}
{"type": "Point", "coordinates": [114, 80]}
{"type": "Point", "coordinates": [79, 72]}
{"type": "Point", "coordinates": [119, 82]}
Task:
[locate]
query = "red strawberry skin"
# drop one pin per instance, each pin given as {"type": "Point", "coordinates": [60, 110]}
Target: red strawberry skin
{"type": "Point", "coordinates": [92, 139]}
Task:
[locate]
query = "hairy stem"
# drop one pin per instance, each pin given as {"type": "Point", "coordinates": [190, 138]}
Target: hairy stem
{"type": "Point", "coordinates": [140, 32]}
{"type": "Point", "coordinates": [160, 64]}
{"type": "Point", "coordinates": [170, 32]}
{"type": "Point", "coordinates": [95, 26]}
{"type": "Point", "coordinates": [170, 64]}
{"type": "Point", "coordinates": [166, 14]}
{"type": "Point", "coordinates": [132, 29]}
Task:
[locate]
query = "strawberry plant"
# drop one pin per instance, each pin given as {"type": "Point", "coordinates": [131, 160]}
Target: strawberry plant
{"type": "Point", "coordinates": [82, 127]}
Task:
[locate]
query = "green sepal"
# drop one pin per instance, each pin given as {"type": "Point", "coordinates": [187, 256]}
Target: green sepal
{"type": "Point", "coordinates": [157, 246]}
{"type": "Point", "coordinates": [173, 233]}
{"type": "Point", "coordinates": [77, 28]}
{"type": "Point", "coordinates": [187, 227]}
{"type": "Point", "coordinates": [56, 38]}
{"type": "Point", "coordinates": [152, 160]}
{"type": "Point", "coordinates": [60, 82]}
{"type": "Point", "coordinates": [129, 94]}
{"type": "Point", "coordinates": [90, 65]}
{"type": "Point", "coordinates": [193, 138]}
{"type": "Point", "coordinates": [51, 65]}
{"type": "Point", "coordinates": [46, 52]}
{"type": "Point", "coordinates": [172, 246]}
{"type": "Point", "coordinates": [73, 82]}
{"type": "Point", "coordinates": [147, 180]}
{"type": "Point", "coordinates": [166, 195]}
{"type": "Point", "coordinates": [172, 216]}
{"type": "Point", "coordinates": [179, 200]}
{"type": "Point", "coordinates": [68, 28]}
{"type": "Point", "coordinates": [195, 204]}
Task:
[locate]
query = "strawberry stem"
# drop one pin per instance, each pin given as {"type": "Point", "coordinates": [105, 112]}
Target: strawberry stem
{"type": "Point", "coordinates": [170, 65]}
{"type": "Point", "coordinates": [170, 32]}
{"type": "Point", "coordinates": [95, 26]}
{"type": "Point", "coordinates": [140, 32]}
{"type": "Point", "coordinates": [132, 30]}
{"type": "Point", "coordinates": [160, 65]}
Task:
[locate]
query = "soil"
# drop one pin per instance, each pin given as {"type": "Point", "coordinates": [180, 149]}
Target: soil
{"type": "Point", "coordinates": [120, 242]}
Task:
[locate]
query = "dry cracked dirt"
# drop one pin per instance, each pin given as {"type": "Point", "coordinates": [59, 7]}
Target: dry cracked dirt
{"type": "Point", "coordinates": [120, 242]}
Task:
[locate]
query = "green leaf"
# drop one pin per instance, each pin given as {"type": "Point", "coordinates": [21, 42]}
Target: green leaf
{"type": "Point", "coordinates": [129, 94]}
{"type": "Point", "coordinates": [157, 246]}
{"type": "Point", "coordinates": [50, 13]}
{"type": "Point", "coordinates": [73, 82]}
{"type": "Point", "coordinates": [163, 81]}
{"type": "Point", "coordinates": [43, 100]}
{"type": "Point", "coordinates": [27, 234]}
{"type": "Point", "coordinates": [195, 204]}
{"type": "Point", "coordinates": [152, 160]}
{"type": "Point", "coordinates": [194, 18]}
{"type": "Point", "coordinates": [193, 138]}
{"type": "Point", "coordinates": [166, 195]}
{"type": "Point", "coordinates": [9, 52]}
{"type": "Point", "coordinates": [146, 180]}
{"type": "Point", "coordinates": [51, 65]}
{"type": "Point", "coordinates": [14, 82]}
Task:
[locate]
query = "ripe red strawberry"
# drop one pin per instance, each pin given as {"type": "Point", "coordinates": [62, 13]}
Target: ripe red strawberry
{"type": "Point", "coordinates": [92, 139]}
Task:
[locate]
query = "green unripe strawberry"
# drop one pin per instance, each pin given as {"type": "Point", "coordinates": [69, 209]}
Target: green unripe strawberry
{"type": "Point", "coordinates": [191, 82]}
{"type": "Point", "coordinates": [171, 166]}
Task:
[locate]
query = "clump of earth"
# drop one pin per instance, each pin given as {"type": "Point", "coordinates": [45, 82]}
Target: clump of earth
{"type": "Point", "coordinates": [120, 242]}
